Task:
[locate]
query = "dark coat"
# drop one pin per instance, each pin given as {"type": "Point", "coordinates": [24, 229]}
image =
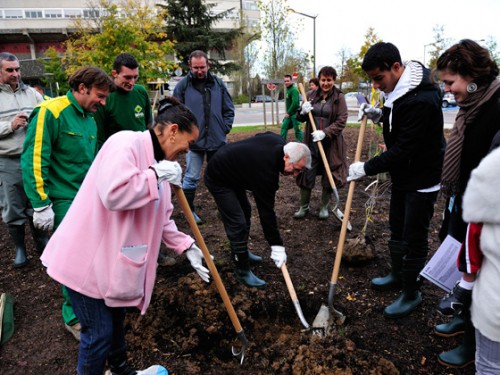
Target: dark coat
{"type": "Point", "coordinates": [414, 139]}
{"type": "Point", "coordinates": [333, 144]}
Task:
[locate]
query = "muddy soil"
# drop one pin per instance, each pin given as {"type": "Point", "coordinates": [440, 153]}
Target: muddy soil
{"type": "Point", "coordinates": [188, 330]}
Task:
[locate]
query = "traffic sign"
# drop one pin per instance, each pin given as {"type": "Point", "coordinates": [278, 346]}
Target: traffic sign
{"type": "Point", "coordinates": [295, 75]}
{"type": "Point", "coordinates": [271, 86]}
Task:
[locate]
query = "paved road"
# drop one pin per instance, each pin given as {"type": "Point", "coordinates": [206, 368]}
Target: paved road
{"type": "Point", "coordinates": [255, 114]}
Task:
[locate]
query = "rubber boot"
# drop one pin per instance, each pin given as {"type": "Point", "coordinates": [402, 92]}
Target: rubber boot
{"type": "Point", "coordinates": [190, 194]}
{"type": "Point", "coordinates": [410, 297]}
{"type": "Point", "coordinates": [305, 197]}
{"type": "Point", "coordinates": [464, 354]}
{"type": "Point", "coordinates": [252, 258]}
{"type": "Point", "coordinates": [397, 249]}
{"type": "Point", "coordinates": [453, 328]}
{"type": "Point", "coordinates": [243, 273]}
{"type": "Point", "coordinates": [17, 234]}
{"type": "Point", "coordinates": [325, 200]}
{"type": "Point", "coordinates": [40, 237]}
{"type": "Point", "coordinates": [118, 364]}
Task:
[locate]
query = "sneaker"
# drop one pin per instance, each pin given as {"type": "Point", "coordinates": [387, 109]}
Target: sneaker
{"type": "Point", "coordinates": [458, 299]}
{"type": "Point", "coordinates": [74, 330]}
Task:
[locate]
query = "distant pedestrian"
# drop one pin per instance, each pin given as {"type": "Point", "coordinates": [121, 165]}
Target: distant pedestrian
{"type": "Point", "coordinates": [292, 105]}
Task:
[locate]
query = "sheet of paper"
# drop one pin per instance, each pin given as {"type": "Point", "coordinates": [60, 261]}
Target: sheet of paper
{"type": "Point", "coordinates": [136, 253]}
{"type": "Point", "coordinates": [442, 269]}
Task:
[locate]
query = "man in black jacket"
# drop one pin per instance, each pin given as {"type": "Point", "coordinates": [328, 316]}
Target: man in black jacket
{"type": "Point", "coordinates": [413, 134]}
{"type": "Point", "coordinates": [254, 165]}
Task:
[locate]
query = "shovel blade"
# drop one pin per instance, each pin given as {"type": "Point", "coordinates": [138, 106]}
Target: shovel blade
{"type": "Point", "coordinates": [323, 323]}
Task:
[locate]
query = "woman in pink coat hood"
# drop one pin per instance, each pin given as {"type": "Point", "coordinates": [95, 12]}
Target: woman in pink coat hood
{"type": "Point", "coordinates": [105, 251]}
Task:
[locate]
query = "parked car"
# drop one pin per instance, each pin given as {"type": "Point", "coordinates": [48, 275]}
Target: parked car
{"type": "Point", "coordinates": [259, 98]}
{"type": "Point", "coordinates": [448, 99]}
{"type": "Point", "coordinates": [352, 100]}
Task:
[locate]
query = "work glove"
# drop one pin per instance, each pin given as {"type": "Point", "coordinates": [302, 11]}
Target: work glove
{"type": "Point", "coordinates": [43, 218]}
{"type": "Point", "coordinates": [356, 171]}
{"type": "Point", "coordinates": [318, 135]}
{"type": "Point", "coordinates": [278, 255]}
{"type": "Point", "coordinates": [195, 257]}
{"type": "Point", "coordinates": [170, 171]}
{"type": "Point", "coordinates": [373, 113]}
{"type": "Point", "coordinates": [306, 108]}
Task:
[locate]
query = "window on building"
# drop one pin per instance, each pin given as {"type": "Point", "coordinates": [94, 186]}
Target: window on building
{"type": "Point", "coordinates": [72, 13]}
{"type": "Point", "coordinates": [53, 13]}
{"type": "Point", "coordinates": [252, 22]}
{"type": "Point", "coordinates": [31, 13]}
{"type": "Point", "coordinates": [13, 13]}
{"type": "Point", "coordinates": [91, 13]}
{"type": "Point", "coordinates": [250, 5]}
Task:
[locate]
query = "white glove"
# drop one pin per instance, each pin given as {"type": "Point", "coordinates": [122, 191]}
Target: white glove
{"type": "Point", "coordinates": [356, 170]}
{"type": "Point", "coordinates": [195, 257]}
{"type": "Point", "coordinates": [318, 135]}
{"type": "Point", "coordinates": [373, 113]}
{"type": "Point", "coordinates": [170, 171]}
{"type": "Point", "coordinates": [306, 108]}
{"type": "Point", "coordinates": [278, 254]}
{"type": "Point", "coordinates": [43, 218]}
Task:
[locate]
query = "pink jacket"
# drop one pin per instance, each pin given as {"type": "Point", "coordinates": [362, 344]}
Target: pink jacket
{"type": "Point", "coordinates": [107, 244]}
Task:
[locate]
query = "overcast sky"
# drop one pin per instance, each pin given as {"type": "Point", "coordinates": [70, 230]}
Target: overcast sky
{"type": "Point", "coordinates": [407, 24]}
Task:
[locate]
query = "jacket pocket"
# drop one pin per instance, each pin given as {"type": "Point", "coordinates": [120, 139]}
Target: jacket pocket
{"type": "Point", "coordinates": [126, 280]}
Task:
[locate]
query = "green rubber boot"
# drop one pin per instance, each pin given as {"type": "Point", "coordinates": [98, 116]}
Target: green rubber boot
{"type": "Point", "coordinates": [410, 297]}
{"type": "Point", "coordinates": [243, 273]}
{"type": "Point", "coordinates": [17, 234]}
{"type": "Point", "coordinates": [325, 200]}
{"type": "Point", "coordinates": [398, 249]}
{"type": "Point", "coordinates": [464, 354]}
{"type": "Point", "coordinates": [305, 197]}
{"type": "Point", "coordinates": [453, 328]}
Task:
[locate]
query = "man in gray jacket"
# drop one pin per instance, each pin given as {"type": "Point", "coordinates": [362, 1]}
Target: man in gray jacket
{"type": "Point", "coordinates": [16, 103]}
{"type": "Point", "coordinates": [207, 97]}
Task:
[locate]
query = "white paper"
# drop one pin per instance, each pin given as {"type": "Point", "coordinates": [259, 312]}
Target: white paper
{"type": "Point", "coordinates": [442, 269]}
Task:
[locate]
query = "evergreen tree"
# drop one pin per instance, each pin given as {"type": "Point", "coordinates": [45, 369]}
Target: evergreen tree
{"type": "Point", "coordinates": [190, 24]}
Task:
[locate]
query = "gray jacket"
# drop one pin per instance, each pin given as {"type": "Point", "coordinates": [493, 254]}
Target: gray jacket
{"type": "Point", "coordinates": [23, 99]}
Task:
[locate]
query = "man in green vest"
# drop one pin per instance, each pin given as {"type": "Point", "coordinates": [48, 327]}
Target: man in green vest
{"type": "Point", "coordinates": [292, 105]}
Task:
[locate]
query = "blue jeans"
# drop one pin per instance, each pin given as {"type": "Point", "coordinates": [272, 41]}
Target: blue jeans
{"type": "Point", "coordinates": [409, 217]}
{"type": "Point", "coordinates": [194, 162]}
{"type": "Point", "coordinates": [102, 333]}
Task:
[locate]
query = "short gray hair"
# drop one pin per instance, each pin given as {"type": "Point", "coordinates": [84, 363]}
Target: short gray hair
{"type": "Point", "coordinates": [7, 56]}
{"type": "Point", "coordinates": [298, 151]}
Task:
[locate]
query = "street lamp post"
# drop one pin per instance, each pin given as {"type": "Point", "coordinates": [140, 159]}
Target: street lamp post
{"type": "Point", "coordinates": [314, 35]}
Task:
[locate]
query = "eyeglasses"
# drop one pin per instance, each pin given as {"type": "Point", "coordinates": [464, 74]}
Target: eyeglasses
{"type": "Point", "coordinates": [164, 106]}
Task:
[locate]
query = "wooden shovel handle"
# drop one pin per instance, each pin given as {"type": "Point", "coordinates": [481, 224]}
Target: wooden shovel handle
{"type": "Point", "coordinates": [347, 211]}
{"type": "Point", "coordinates": [208, 258]}
{"type": "Point", "coordinates": [320, 145]}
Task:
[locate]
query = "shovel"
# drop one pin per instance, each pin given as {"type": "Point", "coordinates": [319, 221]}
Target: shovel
{"type": "Point", "coordinates": [215, 274]}
{"type": "Point", "coordinates": [335, 210]}
{"type": "Point", "coordinates": [328, 316]}
{"type": "Point", "coordinates": [293, 296]}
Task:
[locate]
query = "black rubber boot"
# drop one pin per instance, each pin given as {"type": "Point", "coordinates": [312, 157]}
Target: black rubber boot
{"type": "Point", "coordinates": [119, 366]}
{"type": "Point", "coordinates": [252, 258]}
{"type": "Point", "coordinates": [464, 354]}
{"type": "Point", "coordinates": [190, 194]}
{"type": "Point", "coordinates": [453, 328]}
{"type": "Point", "coordinates": [398, 249]}
{"type": "Point", "coordinates": [410, 297]}
{"type": "Point", "coordinates": [305, 197]}
{"type": "Point", "coordinates": [243, 273]}
{"type": "Point", "coordinates": [40, 237]}
{"type": "Point", "coordinates": [17, 234]}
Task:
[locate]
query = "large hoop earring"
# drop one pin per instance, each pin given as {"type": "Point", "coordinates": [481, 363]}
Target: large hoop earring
{"type": "Point", "coordinates": [471, 87]}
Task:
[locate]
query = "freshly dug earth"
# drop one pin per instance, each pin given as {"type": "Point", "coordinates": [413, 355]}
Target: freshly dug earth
{"type": "Point", "coordinates": [188, 330]}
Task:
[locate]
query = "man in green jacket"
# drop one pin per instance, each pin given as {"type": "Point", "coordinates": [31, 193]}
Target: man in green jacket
{"type": "Point", "coordinates": [60, 146]}
{"type": "Point", "coordinates": [129, 107]}
{"type": "Point", "coordinates": [292, 105]}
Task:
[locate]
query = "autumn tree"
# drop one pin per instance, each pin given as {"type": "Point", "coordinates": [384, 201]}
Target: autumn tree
{"type": "Point", "coordinates": [280, 57]}
{"type": "Point", "coordinates": [191, 24]}
{"type": "Point", "coordinates": [131, 26]}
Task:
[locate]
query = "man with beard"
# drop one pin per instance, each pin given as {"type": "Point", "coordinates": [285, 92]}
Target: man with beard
{"type": "Point", "coordinates": [207, 97]}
